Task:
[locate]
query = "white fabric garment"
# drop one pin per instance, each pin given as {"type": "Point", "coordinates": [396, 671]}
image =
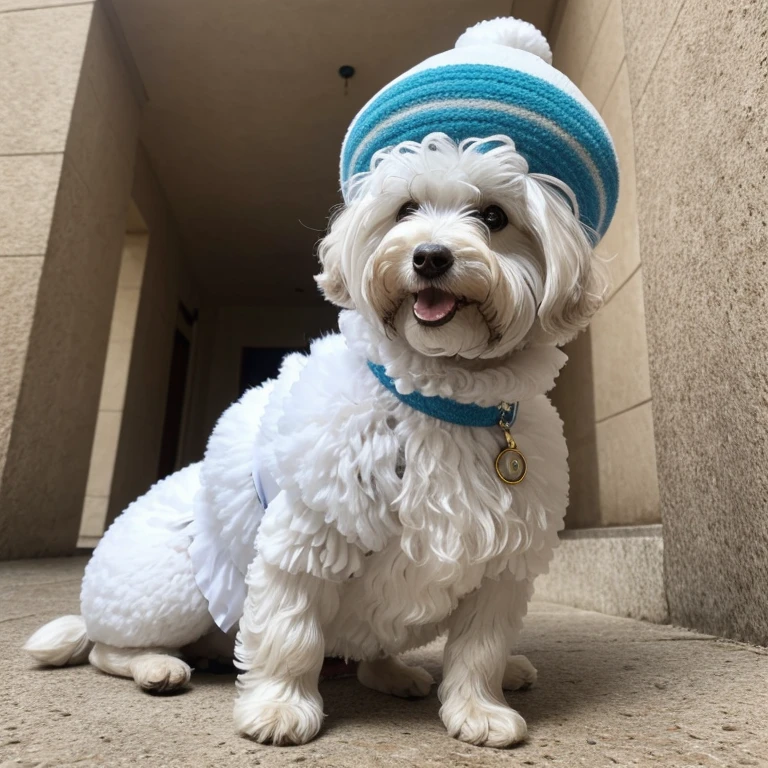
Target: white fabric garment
{"type": "Point", "coordinates": [265, 485]}
{"type": "Point", "coordinates": [220, 562]}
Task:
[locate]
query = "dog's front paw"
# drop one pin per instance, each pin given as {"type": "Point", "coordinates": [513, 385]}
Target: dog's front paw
{"type": "Point", "coordinates": [295, 721]}
{"type": "Point", "coordinates": [485, 724]}
{"type": "Point", "coordinates": [519, 674]}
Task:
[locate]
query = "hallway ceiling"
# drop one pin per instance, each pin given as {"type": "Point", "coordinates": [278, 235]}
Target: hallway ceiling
{"type": "Point", "coordinates": [246, 113]}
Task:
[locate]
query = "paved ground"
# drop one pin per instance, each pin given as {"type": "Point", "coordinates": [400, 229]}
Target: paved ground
{"type": "Point", "coordinates": [611, 692]}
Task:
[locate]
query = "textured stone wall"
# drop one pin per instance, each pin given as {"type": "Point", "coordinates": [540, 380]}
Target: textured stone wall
{"type": "Point", "coordinates": [37, 93]}
{"type": "Point", "coordinates": [698, 75]}
{"type": "Point", "coordinates": [69, 125]}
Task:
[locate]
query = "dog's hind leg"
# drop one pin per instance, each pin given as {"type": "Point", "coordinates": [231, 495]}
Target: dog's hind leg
{"type": "Point", "coordinates": [154, 670]}
{"type": "Point", "coordinates": [392, 676]}
{"type": "Point", "coordinates": [519, 674]}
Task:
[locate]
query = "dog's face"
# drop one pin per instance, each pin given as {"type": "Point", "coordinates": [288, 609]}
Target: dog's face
{"type": "Point", "coordinates": [461, 252]}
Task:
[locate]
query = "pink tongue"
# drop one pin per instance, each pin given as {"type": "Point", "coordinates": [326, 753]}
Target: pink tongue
{"type": "Point", "coordinates": [433, 304]}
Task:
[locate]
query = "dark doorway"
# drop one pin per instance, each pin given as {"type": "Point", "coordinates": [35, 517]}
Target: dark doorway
{"type": "Point", "coordinates": [257, 364]}
{"type": "Point", "coordinates": [174, 405]}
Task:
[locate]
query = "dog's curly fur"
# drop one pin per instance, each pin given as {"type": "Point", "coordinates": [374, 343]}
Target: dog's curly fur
{"type": "Point", "coordinates": [390, 527]}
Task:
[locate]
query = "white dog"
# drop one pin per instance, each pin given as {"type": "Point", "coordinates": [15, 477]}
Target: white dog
{"type": "Point", "coordinates": [461, 272]}
{"type": "Point", "coordinates": [406, 479]}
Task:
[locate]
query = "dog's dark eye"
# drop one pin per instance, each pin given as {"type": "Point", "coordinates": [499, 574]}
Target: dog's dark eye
{"type": "Point", "coordinates": [406, 210]}
{"type": "Point", "coordinates": [495, 218]}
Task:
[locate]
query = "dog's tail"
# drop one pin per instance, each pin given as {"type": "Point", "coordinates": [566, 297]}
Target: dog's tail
{"type": "Point", "coordinates": [60, 642]}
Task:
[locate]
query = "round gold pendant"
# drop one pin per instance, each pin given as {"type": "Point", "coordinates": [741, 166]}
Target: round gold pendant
{"type": "Point", "coordinates": [510, 466]}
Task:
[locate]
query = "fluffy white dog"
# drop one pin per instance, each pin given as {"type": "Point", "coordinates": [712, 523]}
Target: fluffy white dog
{"type": "Point", "coordinates": [364, 492]}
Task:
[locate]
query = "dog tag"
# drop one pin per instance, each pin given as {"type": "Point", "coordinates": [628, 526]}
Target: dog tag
{"type": "Point", "coordinates": [510, 463]}
{"type": "Point", "coordinates": [510, 466]}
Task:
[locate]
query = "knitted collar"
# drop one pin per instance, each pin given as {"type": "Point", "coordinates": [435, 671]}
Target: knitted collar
{"type": "Point", "coordinates": [445, 409]}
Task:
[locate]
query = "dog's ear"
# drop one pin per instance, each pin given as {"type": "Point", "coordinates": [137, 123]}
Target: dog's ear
{"type": "Point", "coordinates": [575, 279]}
{"type": "Point", "coordinates": [331, 280]}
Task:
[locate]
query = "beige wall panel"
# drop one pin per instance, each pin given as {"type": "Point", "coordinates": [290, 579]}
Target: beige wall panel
{"type": "Point", "coordinates": [702, 152]}
{"type": "Point", "coordinates": [621, 244]}
{"type": "Point", "coordinates": [606, 57]}
{"type": "Point", "coordinates": [42, 52]}
{"type": "Point", "coordinates": [584, 494]}
{"type": "Point", "coordinates": [574, 395]}
{"type": "Point", "coordinates": [63, 373]}
{"type": "Point", "coordinates": [19, 279]}
{"type": "Point", "coordinates": [165, 280]}
{"type": "Point", "coordinates": [190, 292]}
{"type": "Point", "coordinates": [124, 315]}
{"type": "Point", "coordinates": [144, 410]}
{"type": "Point", "coordinates": [102, 129]}
{"type": "Point", "coordinates": [112, 79]}
{"type": "Point", "coordinates": [103, 453]}
{"type": "Point", "coordinates": [27, 197]}
{"type": "Point", "coordinates": [94, 513]}
{"type": "Point", "coordinates": [647, 25]}
{"type": "Point", "coordinates": [608, 368]}
{"type": "Point", "coordinates": [7, 6]}
{"type": "Point", "coordinates": [576, 35]}
{"type": "Point", "coordinates": [115, 375]}
{"type": "Point", "coordinates": [114, 383]}
{"type": "Point", "coordinates": [616, 571]}
{"type": "Point", "coordinates": [132, 262]}
{"type": "Point", "coordinates": [148, 194]}
{"type": "Point", "coordinates": [620, 352]}
{"type": "Point", "coordinates": [574, 398]}
{"type": "Point", "coordinates": [540, 13]}
{"type": "Point", "coordinates": [198, 427]}
{"type": "Point", "coordinates": [629, 488]}
{"type": "Point", "coordinates": [166, 276]}
{"type": "Point", "coordinates": [162, 281]}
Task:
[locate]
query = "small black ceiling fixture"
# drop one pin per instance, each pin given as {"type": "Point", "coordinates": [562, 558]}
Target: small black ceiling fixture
{"type": "Point", "coordinates": [346, 72]}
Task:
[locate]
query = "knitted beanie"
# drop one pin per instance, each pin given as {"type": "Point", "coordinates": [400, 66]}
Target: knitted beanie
{"type": "Point", "coordinates": [497, 80]}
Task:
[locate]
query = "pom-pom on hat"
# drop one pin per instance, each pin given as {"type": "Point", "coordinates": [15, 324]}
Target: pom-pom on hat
{"type": "Point", "coordinates": [497, 80]}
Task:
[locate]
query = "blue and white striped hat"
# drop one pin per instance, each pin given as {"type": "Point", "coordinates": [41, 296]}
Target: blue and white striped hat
{"type": "Point", "coordinates": [497, 80]}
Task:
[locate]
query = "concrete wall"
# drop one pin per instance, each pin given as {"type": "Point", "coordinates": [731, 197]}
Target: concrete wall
{"type": "Point", "coordinates": [604, 392]}
{"type": "Point", "coordinates": [166, 282]}
{"type": "Point", "coordinates": [67, 138]}
{"type": "Point", "coordinates": [38, 94]}
{"type": "Point", "coordinates": [698, 74]}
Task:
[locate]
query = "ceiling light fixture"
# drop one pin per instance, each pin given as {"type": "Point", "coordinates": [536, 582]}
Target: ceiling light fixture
{"type": "Point", "coordinates": [346, 72]}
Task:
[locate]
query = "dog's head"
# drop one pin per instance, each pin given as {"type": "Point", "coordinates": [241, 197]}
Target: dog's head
{"type": "Point", "coordinates": [459, 251]}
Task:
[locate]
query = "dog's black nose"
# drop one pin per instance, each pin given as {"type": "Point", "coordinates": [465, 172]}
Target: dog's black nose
{"type": "Point", "coordinates": [431, 260]}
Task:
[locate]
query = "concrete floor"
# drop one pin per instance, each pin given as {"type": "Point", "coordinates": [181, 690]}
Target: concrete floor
{"type": "Point", "coordinates": [611, 692]}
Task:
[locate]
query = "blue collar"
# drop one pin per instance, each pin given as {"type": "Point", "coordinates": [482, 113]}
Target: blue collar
{"type": "Point", "coordinates": [465, 414]}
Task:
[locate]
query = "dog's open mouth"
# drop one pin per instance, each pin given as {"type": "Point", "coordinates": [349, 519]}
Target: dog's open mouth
{"type": "Point", "coordinates": [435, 307]}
